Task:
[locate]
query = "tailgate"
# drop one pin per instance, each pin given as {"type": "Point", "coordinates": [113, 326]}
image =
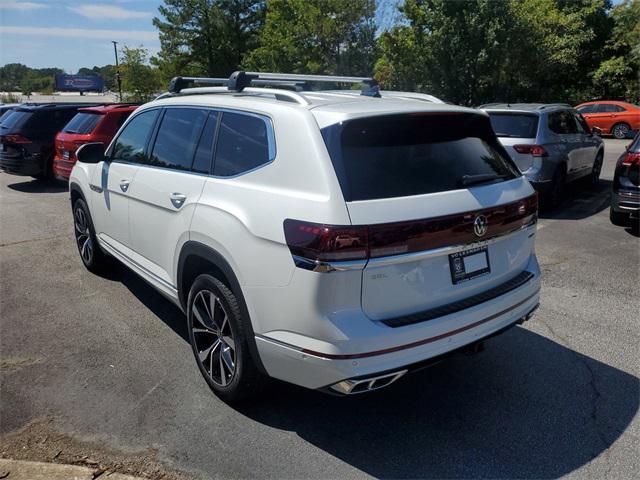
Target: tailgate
{"type": "Point", "coordinates": [431, 260]}
{"type": "Point", "coordinates": [524, 161]}
{"type": "Point", "coordinates": [448, 215]}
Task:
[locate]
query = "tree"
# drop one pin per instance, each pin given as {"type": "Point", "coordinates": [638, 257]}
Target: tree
{"type": "Point", "coordinates": [207, 37]}
{"type": "Point", "coordinates": [140, 81]}
{"type": "Point", "coordinates": [317, 36]}
{"type": "Point", "coordinates": [480, 50]}
{"type": "Point", "coordinates": [619, 75]}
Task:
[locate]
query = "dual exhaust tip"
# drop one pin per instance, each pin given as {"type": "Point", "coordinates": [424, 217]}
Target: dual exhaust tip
{"type": "Point", "coordinates": [369, 384]}
{"type": "Point", "coordinates": [362, 385]}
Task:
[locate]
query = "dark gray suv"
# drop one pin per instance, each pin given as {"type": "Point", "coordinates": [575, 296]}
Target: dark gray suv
{"type": "Point", "coordinates": [551, 144]}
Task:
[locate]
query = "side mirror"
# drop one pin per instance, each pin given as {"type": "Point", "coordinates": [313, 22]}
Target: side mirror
{"type": "Point", "coordinates": [91, 153]}
{"type": "Point", "coordinates": [596, 131]}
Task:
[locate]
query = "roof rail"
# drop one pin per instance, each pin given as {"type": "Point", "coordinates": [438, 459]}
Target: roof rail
{"type": "Point", "coordinates": [278, 93]}
{"type": "Point", "coordinates": [542, 107]}
{"type": "Point", "coordinates": [240, 80]}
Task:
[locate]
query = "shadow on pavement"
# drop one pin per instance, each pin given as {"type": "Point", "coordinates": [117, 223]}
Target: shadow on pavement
{"type": "Point", "coordinates": [164, 309]}
{"type": "Point", "coordinates": [581, 201]}
{"type": "Point", "coordinates": [39, 186]}
{"type": "Point", "coordinates": [527, 407]}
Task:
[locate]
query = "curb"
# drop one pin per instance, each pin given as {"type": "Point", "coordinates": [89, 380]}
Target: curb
{"type": "Point", "coordinates": [23, 470]}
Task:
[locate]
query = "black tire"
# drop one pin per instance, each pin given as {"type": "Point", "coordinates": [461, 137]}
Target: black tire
{"type": "Point", "coordinates": [90, 253]}
{"type": "Point", "coordinates": [619, 219]}
{"type": "Point", "coordinates": [620, 130]}
{"type": "Point", "coordinates": [555, 194]}
{"type": "Point", "coordinates": [594, 178]}
{"type": "Point", "coordinates": [213, 350]}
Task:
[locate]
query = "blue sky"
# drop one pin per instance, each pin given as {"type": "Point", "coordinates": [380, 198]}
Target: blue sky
{"type": "Point", "coordinates": [73, 33]}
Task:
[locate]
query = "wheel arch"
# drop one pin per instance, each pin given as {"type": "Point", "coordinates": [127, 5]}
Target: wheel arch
{"type": "Point", "coordinates": [75, 192]}
{"type": "Point", "coordinates": [197, 258]}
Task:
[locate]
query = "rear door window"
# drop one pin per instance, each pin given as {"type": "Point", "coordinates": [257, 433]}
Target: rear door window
{"type": "Point", "coordinates": [131, 143]}
{"type": "Point", "coordinates": [562, 123]}
{"type": "Point", "coordinates": [517, 125]}
{"type": "Point", "coordinates": [82, 123]}
{"type": "Point", "coordinates": [204, 153]}
{"type": "Point", "coordinates": [178, 137]}
{"type": "Point", "coordinates": [245, 142]}
{"type": "Point", "coordinates": [610, 108]}
{"type": "Point", "coordinates": [402, 155]}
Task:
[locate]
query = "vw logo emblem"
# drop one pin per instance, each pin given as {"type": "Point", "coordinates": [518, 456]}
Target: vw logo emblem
{"type": "Point", "coordinates": [480, 225]}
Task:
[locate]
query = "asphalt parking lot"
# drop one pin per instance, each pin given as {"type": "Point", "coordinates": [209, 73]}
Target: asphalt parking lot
{"type": "Point", "coordinates": [98, 369]}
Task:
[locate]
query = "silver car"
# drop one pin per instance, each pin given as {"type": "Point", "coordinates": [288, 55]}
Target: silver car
{"type": "Point", "coordinates": [550, 143]}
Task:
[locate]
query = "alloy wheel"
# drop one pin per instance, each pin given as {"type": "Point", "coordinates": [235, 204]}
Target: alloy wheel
{"type": "Point", "coordinates": [83, 235]}
{"type": "Point", "coordinates": [213, 337]}
{"type": "Point", "coordinates": [620, 131]}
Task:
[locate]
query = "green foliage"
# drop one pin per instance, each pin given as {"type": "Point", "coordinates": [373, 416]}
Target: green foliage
{"type": "Point", "coordinates": [479, 50]}
{"type": "Point", "coordinates": [10, 98]}
{"type": "Point", "coordinates": [140, 81]}
{"type": "Point", "coordinates": [317, 36]}
{"type": "Point", "coordinates": [206, 37]}
{"type": "Point", "coordinates": [18, 77]}
{"type": "Point", "coordinates": [619, 75]}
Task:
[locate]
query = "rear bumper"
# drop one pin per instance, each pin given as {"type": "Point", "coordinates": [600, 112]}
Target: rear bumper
{"type": "Point", "coordinates": [27, 165]}
{"type": "Point", "coordinates": [62, 168]}
{"type": "Point", "coordinates": [626, 201]}
{"type": "Point", "coordinates": [379, 348]}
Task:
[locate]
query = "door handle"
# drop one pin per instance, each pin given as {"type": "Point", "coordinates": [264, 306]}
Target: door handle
{"type": "Point", "coordinates": [177, 199]}
{"type": "Point", "coordinates": [124, 185]}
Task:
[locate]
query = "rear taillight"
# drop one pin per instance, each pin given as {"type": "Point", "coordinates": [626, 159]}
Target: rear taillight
{"type": "Point", "coordinates": [317, 243]}
{"type": "Point", "coordinates": [16, 138]}
{"type": "Point", "coordinates": [326, 243]}
{"type": "Point", "coordinates": [535, 150]}
{"type": "Point", "coordinates": [631, 159]}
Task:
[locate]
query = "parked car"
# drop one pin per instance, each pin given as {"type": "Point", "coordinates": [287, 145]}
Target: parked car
{"type": "Point", "coordinates": [7, 107]}
{"type": "Point", "coordinates": [93, 124]}
{"type": "Point", "coordinates": [611, 117]}
{"type": "Point", "coordinates": [551, 144]}
{"type": "Point", "coordinates": [329, 240]}
{"type": "Point", "coordinates": [27, 137]}
{"type": "Point", "coordinates": [625, 204]}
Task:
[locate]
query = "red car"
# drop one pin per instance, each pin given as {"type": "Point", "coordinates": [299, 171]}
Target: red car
{"type": "Point", "coordinates": [91, 124]}
{"type": "Point", "coordinates": [611, 117]}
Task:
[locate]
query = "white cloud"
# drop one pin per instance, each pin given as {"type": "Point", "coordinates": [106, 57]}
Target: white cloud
{"type": "Point", "coordinates": [24, 6]}
{"type": "Point", "coordinates": [140, 35]}
{"type": "Point", "coordinates": [102, 12]}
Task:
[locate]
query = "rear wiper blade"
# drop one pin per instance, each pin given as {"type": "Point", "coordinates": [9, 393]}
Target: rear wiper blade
{"type": "Point", "coordinates": [468, 180]}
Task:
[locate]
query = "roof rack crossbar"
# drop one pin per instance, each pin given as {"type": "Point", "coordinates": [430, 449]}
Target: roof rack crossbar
{"type": "Point", "coordinates": [240, 80]}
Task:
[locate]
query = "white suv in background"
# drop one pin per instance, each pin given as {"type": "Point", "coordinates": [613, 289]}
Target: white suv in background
{"type": "Point", "coordinates": [331, 240]}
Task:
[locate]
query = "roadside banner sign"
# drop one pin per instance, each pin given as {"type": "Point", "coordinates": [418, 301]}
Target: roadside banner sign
{"type": "Point", "coordinates": [79, 83]}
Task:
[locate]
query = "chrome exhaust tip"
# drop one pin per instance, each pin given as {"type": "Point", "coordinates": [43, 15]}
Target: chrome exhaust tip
{"type": "Point", "coordinates": [362, 385]}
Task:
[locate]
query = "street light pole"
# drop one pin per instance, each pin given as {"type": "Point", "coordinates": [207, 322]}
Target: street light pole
{"type": "Point", "coordinates": [115, 50]}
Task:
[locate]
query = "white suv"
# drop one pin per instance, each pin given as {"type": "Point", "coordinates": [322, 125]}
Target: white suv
{"type": "Point", "coordinates": [331, 240]}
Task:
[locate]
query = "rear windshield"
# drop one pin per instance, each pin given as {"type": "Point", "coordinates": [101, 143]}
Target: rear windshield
{"type": "Point", "coordinates": [15, 119]}
{"type": "Point", "coordinates": [82, 123]}
{"type": "Point", "coordinates": [518, 125]}
{"type": "Point", "coordinates": [403, 155]}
